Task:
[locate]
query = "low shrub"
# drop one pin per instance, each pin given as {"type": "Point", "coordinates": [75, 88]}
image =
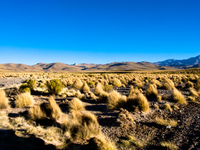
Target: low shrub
{"type": "Point", "coordinates": [108, 88]}
{"type": "Point", "coordinates": [31, 84]}
{"type": "Point", "coordinates": [54, 86]}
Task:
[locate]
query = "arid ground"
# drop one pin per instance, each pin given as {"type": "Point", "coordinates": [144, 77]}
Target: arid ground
{"type": "Point", "coordinates": [138, 110]}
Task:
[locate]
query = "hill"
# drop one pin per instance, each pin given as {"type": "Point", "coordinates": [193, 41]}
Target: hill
{"type": "Point", "coordinates": [185, 63]}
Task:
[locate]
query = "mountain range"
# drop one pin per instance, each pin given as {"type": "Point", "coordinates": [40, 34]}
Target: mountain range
{"type": "Point", "coordinates": [169, 64]}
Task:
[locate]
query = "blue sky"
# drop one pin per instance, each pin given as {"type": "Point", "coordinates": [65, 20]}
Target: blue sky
{"type": "Point", "coordinates": [98, 31]}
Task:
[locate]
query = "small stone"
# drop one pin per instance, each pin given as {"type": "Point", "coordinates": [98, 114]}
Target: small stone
{"type": "Point", "coordinates": [168, 126]}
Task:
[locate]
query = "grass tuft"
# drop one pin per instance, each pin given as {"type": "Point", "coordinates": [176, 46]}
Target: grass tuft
{"type": "Point", "coordinates": [24, 100]}
{"type": "Point", "coordinates": [3, 100]}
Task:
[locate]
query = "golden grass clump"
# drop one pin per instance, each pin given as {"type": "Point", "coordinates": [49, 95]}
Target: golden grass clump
{"type": "Point", "coordinates": [133, 92]}
{"type": "Point", "coordinates": [124, 118]}
{"type": "Point", "coordinates": [152, 91]}
{"type": "Point", "coordinates": [156, 106]}
{"type": "Point", "coordinates": [24, 100]}
{"type": "Point", "coordinates": [138, 103]}
{"type": "Point", "coordinates": [139, 83]}
{"type": "Point", "coordinates": [115, 100]}
{"type": "Point", "coordinates": [85, 87]}
{"type": "Point", "coordinates": [166, 122]}
{"type": "Point", "coordinates": [116, 82]}
{"type": "Point", "coordinates": [168, 84]}
{"type": "Point", "coordinates": [189, 84]}
{"type": "Point", "coordinates": [193, 92]}
{"type": "Point", "coordinates": [81, 126]}
{"type": "Point", "coordinates": [169, 145]}
{"type": "Point", "coordinates": [98, 89]}
{"type": "Point", "coordinates": [130, 142]}
{"type": "Point", "coordinates": [191, 98]}
{"type": "Point", "coordinates": [167, 107]}
{"type": "Point", "coordinates": [101, 142]}
{"type": "Point", "coordinates": [77, 83]}
{"type": "Point", "coordinates": [54, 108]}
{"type": "Point", "coordinates": [3, 100]}
{"type": "Point", "coordinates": [79, 95]}
{"type": "Point", "coordinates": [76, 105]}
{"type": "Point", "coordinates": [178, 97]}
{"type": "Point", "coordinates": [36, 113]}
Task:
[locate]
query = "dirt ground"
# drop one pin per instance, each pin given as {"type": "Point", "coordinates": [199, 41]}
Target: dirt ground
{"type": "Point", "coordinates": [186, 135]}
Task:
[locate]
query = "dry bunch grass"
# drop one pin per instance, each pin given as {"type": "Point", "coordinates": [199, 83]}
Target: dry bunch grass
{"type": "Point", "coordinates": [76, 105]}
{"type": "Point", "coordinates": [178, 97]}
{"type": "Point", "coordinates": [152, 91]}
{"type": "Point", "coordinates": [35, 113]}
{"type": "Point", "coordinates": [85, 87]}
{"type": "Point", "coordinates": [166, 122]}
{"type": "Point", "coordinates": [169, 145]}
{"type": "Point", "coordinates": [167, 107]}
{"type": "Point", "coordinates": [81, 126]}
{"type": "Point", "coordinates": [24, 100]}
{"type": "Point", "coordinates": [77, 83]}
{"type": "Point", "coordinates": [116, 100]}
{"type": "Point", "coordinates": [54, 108]}
{"type": "Point", "coordinates": [116, 82]}
{"type": "Point", "coordinates": [193, 92]}
{"type": "Point", "coordinates": [3, 100]}
{"type": "Point", "coordinates": [138, 102]}
{"type": "Point", "coordinates": [168, 84]}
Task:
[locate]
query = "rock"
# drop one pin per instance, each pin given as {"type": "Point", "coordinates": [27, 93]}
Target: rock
{"type": "Point", "coordinates": [168, 126]}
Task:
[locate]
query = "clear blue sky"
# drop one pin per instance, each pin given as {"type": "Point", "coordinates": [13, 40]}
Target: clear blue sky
{"type": "Point", "coordinates": [98, 31]}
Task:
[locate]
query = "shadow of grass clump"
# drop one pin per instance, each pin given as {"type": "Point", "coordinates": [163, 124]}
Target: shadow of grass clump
{"type": "Point", "coordinates": [10, 141]}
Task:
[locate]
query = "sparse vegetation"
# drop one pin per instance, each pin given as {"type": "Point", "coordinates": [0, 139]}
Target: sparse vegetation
{"type": "Point", "coordinates": [126, 113]}
{"type": "Point", "coordinates": [169, 145]}
{"type": "Point", "coordinates": [166, 122]}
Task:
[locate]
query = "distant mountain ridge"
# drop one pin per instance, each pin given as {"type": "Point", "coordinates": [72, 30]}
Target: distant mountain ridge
{"type": "Point", "coordinates": [116, 66]}
{"type": "Point", "coordinates": [185, 63]}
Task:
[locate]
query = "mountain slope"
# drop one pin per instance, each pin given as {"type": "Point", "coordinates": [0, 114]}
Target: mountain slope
{"type": "Point", "coordinates": [185, 63]}
{"type": "Point", "coordinates": [61, 67]}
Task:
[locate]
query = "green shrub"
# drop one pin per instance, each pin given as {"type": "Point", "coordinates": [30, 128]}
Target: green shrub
{"type": "Point", "coordinates": [31, 84]}
{"type": "Point", "coordinates": [54, 86]}
{"type": "Point", "coordinates": [108, 88]}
